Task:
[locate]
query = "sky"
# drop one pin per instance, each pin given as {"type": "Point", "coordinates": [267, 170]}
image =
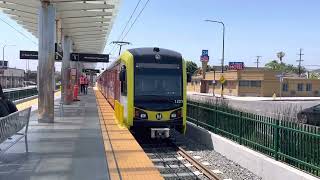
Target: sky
{"type": "Point", "coordinates": [253, 28]}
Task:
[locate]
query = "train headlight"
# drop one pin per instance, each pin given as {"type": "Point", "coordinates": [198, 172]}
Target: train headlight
{"type": "Point", "coordinates": [175, 114]}
{"type": "Point", "coordinates": [140, 114]}
{"type": "Point", "coordinates": [143, 116]}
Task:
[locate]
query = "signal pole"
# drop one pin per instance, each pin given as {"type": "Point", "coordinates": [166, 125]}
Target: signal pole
{"type": "Point", "coordinates": [300, 60]}
{"type": "Point", "coordinates": [258, 61]}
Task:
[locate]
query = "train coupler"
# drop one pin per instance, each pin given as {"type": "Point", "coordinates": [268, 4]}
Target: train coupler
{"type": "Point", "coordinates": [160, 133]}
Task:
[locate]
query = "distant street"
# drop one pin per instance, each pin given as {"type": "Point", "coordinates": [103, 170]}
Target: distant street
{"type": "Point", "coordinates": [269, 108]}
{"type": "Point", "coordinates": [273, 108]}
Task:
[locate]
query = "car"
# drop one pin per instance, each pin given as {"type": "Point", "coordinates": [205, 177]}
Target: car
{"type": "Point", "coordinates": [310, 115]}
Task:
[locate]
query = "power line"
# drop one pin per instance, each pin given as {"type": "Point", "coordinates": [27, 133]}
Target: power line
{"type": "Point", "coordinates": [19, 31]}
{"type": "Point", "coordinates": [129, 20]}
{"type": "Point", "coordinates": [145, 5]}
{"type": "Point", "coordinates": [125, 27]}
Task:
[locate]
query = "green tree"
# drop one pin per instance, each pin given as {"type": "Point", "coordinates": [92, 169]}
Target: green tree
{"type": "Point", "coordinates": [314, 75]}
{"type": "Point", "coordinates": [280, 55]}
{"type": "Point", "coordinates": [283, 67]}
{"type": "Point", "coordinates": [274, 65]}
{"type": "Point", "coordinates": [191, 67]}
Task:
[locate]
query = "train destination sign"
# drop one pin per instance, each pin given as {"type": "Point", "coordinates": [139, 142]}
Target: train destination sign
{"type": "Point", "coordinates": [85, 57]}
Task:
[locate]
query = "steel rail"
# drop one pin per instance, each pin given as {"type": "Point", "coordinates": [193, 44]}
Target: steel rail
{"type": "Point", "coordinates": [197, 164]}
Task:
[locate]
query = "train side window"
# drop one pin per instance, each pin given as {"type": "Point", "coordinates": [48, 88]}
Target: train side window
{"type": "Point", "coordinates": [124, 80]}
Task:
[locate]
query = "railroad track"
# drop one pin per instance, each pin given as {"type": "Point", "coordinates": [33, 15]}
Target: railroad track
{"type": "Point", "coordinates": [172, 161]}
{"type": "Point", "coordinates": [197, 164]}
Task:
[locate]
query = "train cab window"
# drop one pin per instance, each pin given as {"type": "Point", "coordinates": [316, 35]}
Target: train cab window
{"type": "Point", "coordinates": [124, 81]}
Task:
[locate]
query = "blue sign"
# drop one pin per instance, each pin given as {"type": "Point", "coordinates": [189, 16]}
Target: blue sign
{"type": "Point", "coordinates": [205, 56]}
{"type": "Point", "coordinates": [205, 53]}
{"type": "Point", "coordinates": [236, 65]}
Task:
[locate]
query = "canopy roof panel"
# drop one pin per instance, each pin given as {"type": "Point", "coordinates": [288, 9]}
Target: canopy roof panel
{"type": "Point", "coordinates": [87, 22]}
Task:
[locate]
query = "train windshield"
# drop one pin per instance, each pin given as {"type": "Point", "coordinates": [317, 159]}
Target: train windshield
{"type": "Point", "coordinates": [159, 83]}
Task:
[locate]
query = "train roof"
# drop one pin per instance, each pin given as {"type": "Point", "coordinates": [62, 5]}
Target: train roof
{"type": "Point", "coordinates": [151, 51]}
{"type": "Point", "coordinates": [148, 51]}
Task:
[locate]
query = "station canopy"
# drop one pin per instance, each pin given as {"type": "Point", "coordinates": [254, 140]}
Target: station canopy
{"type": "Point", "coordinates": [88, 23]}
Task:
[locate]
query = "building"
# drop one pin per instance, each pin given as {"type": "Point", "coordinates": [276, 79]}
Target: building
{"type": "Point", "coordinates": [255, 82]}
{"type": "Point", "coordinates": [11, 77]}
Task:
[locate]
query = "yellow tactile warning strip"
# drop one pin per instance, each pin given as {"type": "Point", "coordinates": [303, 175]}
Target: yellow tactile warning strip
{"type": "Point", "coordinates": [126, 159]}
{"type": "Point", "coordinates": [32, 102]}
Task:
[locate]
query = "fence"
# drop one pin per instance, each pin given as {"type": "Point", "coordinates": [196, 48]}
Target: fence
{"type": "Point", "coordinates": [295, 144]}
{"type": "Point", "coordinates": [20, 93]}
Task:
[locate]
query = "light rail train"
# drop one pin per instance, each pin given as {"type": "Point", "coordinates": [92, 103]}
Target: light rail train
{"type": "Point", "coordinates": [149, 85]}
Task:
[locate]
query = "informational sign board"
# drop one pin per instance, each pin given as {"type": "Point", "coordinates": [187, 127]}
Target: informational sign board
{"type": "Point", "coordinates": [236, 65]}
{"type": "Point", "coordinates": [204, 56]}
{"type": "Point", "coordinates": [205, 53]}
{"type": "Point", "coordinates": [29, 55]}
{"type": "Point", "coordinates": [34, 55]}
{"type": "Point", "coordinates": [85, 57]}
{"type": "Point", "coordinates": [89, 71]}
{"type": "Point", "coordinates": [58, 52]}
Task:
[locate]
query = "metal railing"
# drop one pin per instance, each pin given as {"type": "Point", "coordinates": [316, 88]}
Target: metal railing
{"type": "Point", "coordinates": [20, 93]}
{"type": "Point", "coordinates": [290, 142]}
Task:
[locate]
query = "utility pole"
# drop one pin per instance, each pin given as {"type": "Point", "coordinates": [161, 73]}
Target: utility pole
{"type": "Point", "coordinates": [120, 44]}
{"type": "Point", "coordinates": [258, 61]}
{"type": "Point", "coordinates": [300, 60]}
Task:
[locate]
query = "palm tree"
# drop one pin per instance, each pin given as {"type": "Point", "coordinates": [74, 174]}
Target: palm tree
{"type": "Point", "coordinates": [280, 55]}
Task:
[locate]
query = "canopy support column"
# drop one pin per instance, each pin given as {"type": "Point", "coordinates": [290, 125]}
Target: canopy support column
{"type": "Point", "coordinates": [47, 15]}
{"type": "Point", "coordinates": [65, 71]}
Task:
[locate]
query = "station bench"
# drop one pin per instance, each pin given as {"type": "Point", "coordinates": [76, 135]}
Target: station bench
{"type": "Point", "coordinates": [15, 124]}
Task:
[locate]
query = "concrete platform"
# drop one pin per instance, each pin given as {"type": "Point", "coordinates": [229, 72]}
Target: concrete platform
{"type": "Point", "coordinates": [70, 148]}
{"type": "Point", "coordinates": [126, 159]}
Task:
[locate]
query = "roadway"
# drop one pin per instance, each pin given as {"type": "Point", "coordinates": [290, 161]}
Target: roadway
{"type": "Point", "coordinates": [268, 108]}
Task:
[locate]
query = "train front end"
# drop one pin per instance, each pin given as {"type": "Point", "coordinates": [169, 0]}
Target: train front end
{"type": "Point", "coordinates": [159, 91]}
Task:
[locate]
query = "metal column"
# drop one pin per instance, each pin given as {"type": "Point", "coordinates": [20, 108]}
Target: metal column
{"type": "Point", "coordinates": [66, 79]}
{"type": "Point", "coordinates": [47, 15]}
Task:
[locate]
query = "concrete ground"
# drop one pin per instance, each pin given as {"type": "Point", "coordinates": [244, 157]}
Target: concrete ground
{"type": "Point", "coordinates": [70, 148]}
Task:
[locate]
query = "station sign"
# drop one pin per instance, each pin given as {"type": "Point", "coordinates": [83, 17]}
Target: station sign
{"type": "Point", "coordinates": [89, 71]}
{"type": "Point", "coordinates": [236, 65]}
{"type": "Point", "coordinates": [204, 56]}
{"type": "Point", "coordinates": [28, 54]}
{"type": "Point", "coordinates": [85, 57]}
{"type": "Point", "coordinates": [58, 52]}
{"type": "Point", "coordinates": [34, 55]}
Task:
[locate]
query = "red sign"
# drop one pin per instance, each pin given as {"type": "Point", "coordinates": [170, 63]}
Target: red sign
{"type": "Point", "coordinates": [236, 65]}
{"type": "Point", "coordinates": [204, 58]}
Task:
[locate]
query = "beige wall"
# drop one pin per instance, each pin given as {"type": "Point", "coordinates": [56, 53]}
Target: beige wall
{"type": "Point", "coordinates": [269, 87]}
{"type": "Point", "coordinates": [270, 84]}
{"type": "Point", "coordinates": [293, 87]}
